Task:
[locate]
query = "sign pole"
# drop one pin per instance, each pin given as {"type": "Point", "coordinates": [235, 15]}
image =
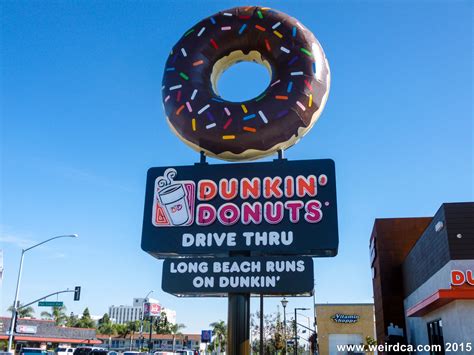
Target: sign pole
{"type": "Point", "coordinates": [262, 351]}
{"type": "Point", "coordinates": [238, 323]}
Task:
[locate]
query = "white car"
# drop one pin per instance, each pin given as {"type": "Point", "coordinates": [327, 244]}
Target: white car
{"type": "Point", "coordinates": [64, 351]}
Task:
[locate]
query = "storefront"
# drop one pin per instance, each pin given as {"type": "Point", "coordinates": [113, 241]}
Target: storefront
{"type": "Point", "coordinates": [423, 279]}
{"type": "Point", "coordinates": [39, 333]}
{"type": "Point", "coordinates": [439, 282]}
{"type": "Point", "coordinates": [343, 324]}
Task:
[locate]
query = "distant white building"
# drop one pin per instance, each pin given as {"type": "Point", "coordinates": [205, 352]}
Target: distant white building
{"type": "Point", "coordinates": [123, 314]}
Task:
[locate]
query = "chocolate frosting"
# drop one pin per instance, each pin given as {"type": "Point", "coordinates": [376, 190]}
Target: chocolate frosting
{"type": "Point", "coordinates": [276, 119]}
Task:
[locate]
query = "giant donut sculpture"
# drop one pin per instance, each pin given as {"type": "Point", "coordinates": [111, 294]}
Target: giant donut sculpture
{"type": "Point", "coordinates": [276, 119]}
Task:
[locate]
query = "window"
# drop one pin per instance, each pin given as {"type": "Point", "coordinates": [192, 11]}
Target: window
{"type": "Point", "coordinates": [435, 336]}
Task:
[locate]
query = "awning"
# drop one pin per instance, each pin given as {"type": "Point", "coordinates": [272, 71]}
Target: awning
{"type": "Point", "coordinates": [439, 299]}
{"type": "Point", "coordinates": [53, 340]}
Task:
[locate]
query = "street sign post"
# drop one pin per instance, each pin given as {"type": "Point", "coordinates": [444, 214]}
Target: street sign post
{"type": "Point", "coordinates": [50, 304]}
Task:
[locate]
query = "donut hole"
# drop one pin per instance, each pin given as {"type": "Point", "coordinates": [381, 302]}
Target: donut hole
{"type": "Point", "coordinates": [240, 77]}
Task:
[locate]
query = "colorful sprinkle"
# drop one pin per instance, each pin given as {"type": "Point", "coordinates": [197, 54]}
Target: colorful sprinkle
{"type": "Point", "coordinates": [184, 76]}
{"type": "Point", "coordinates": [227, 124]}
{"type": "Point", "coordinates": [188, 105]}
{"type": "Point", "coordinates": [267, 44]}
{"type": "Point", "coordinates": [289, 87]}
{"type": "Point", "coordinates": [167, 98]}
{"type": "Point", "coordinates": [294, 73]}
{"type": "Point", "coordinates": [226, 28]}
{"type": "Point", "coordinates": [228, 137]}
{"type": "Point", "coordinates": [286, 50]}
{"type": "Point", "coordinates": [276, 25]}
{"type": "Point", "coordinates": [203, 109]}
{"type": "Point", "coordinates": [301, 105]}
{"type": "Point", "coordinates": [281, 97]}
{"type": "Point", "coordinates": [184, 52]}
{"type": "Point", "coordinates": [201, 31]}
{"type": "Point", "coordinates": [244, 108]}
{"type": "Point", "coordinates": [193, 95]}
{"type": "Point", "coordinates": [227, 111]}
{"type": "Point", "coordinates": [174, 58]}
{"type": "Point", "coordinates": [276, 82]}
{"type": "Point", "coordinates": [178, 96]}
{"type": "Point", "coordinates": [227, 14]}
{"type": "Point", "coordinates": [244, 26]}
{"type": "Point", "coordinates": [259, 14]}
{"type": "Point", "coordinates": [198, 62]}
{"type": "Point", "coordinates": [178, 111]}
{"type": "Point", "coordinates": [282, 113]}
{"type": "Point", "coordinates": [211, 125]}
{"type": "Point", "coordinates": [249, 117]}
{"type": "Point", "coordinates": [293, 31]}
{"type": "Point", "coordinates": [305, 51]}
{"type": "Point", "coordinates": [244, 17]}
{"type": "Point", "coordinates": [308, 84]}
{"type": "Point", "coordinates": [193, 123]}
{"type": "Point", "coordinates": [249, 129]}
{"type": "Point", "coordinates": [314, 67]}
{"type": "Point", "coordinates": [214, 44]}
{"type": "Point", "coordinates": [310, 103]}
{"type": "Point", "coordinates": [278, 34]}
{"type": "Point", "coordinates": [263, 117]}
{"type": "Point", "coordinates": [260, 28]}
{"type": "Point", "coordinates": [189, 32]}
{"type": "Point", "coordinates": [213, 21]}
{"type": "Point", "coordinates": [217, 100]}
{"type": "Point", "coordinates": [294, 59]}
{"type": "Point", "coordinates": [176, 87]}
{"type": "Point", "coordinates": [170, 69]}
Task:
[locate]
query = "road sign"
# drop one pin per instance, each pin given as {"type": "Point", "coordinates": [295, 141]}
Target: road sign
{"type": "Point", "coordinates": [206, 336]}
{"type": "Point", "coordinates": [50, 304]}
{"type": "Point", "coordinates": [270, 208]}
{"type": "Point", "coordinates": [151, 309]}
{"type": "Point", "coordinates": [276, 275]}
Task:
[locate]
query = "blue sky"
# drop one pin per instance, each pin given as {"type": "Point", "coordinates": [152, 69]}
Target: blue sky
{"type": "Point", "coordinates": [82, 121]}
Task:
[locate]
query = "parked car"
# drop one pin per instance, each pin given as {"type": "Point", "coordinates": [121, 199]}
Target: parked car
{"type": "Point", "coordinates": [64, 351]}
{"type": "Point", "coordinates": [33, 351]}
{"type": "Point", "coordinates": [185, 352]}
{"type": "Point", "coordinates": [88, 350]}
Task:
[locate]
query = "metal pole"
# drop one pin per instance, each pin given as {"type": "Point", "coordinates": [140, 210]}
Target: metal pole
{"type": "Point", "coordinates": [238, 327]}
{"type": "Point", "coordinates": [296, 335]}
{"type": "Point", "coordinates": [262, 350]}
{"type": "Point", "coordinates": [284, 329]}
{"type": "Point", "coordinates": [151, 329]}
{"type": "Point", "coordinates": [142, 316]}
{"type": "Point", "coordinates": [15, 303]}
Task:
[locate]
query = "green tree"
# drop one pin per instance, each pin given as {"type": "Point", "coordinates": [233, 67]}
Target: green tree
{"type": "Point", "coordinates": [161, 324]}
{"type": "Point", "coordinates": [121, 330]}
{"type": "Point", "coordinates": [105, 325]}
{"type": "Point", "coordinates": [219, 330]}
{"type": "Point", "coordinates": [132, 328]}
{"type": "Point", "coordinates": [85, 321]}
{"type": "Point", "coordinates": [58, 314]}
{"type": "Point", "coordinates": [26, 312]}
{"type": "Point", "coordinates": [72, 320]}
{"type": "Point", "coordinates": [175, 329]}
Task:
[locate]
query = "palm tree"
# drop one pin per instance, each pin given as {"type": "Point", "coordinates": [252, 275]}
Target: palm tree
{"type": "Point", "coordinates": [219, 330]}
{"type": "Point", "coordinates": [132, 327]}
{"type": "Point", "coordinates": [58, 314]}
{"type": "Point", "coordinates": [175, 329]}
{"type": "Point", "coordinates": [26, 312]}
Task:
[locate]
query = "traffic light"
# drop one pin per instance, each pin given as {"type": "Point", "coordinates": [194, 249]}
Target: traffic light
{"type": "Point", "coordinates": [77, 293]}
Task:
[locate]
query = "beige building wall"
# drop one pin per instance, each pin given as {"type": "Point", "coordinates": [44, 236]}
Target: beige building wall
{"type": "Point", "coordinates": [364, 326]}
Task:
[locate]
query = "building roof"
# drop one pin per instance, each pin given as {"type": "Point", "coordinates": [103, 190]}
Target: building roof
{"type": "Point", "coordinates": [154, 336]}
{"type": "Point", "coordinates": [439, 299]}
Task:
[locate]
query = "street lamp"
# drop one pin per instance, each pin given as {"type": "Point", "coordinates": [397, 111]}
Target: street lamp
{"type": "Point", "coordinates": [142, 316]}
{"type": "Point", "coordinates": [284, 302]}
{"type": "Point", "coordinates": [296, 328]}
{"type": "Point", "coordinates": [15, 302]}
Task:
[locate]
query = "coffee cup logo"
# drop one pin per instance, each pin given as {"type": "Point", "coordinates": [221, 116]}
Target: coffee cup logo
{"type": "Point", "coordinates": [174, 201]}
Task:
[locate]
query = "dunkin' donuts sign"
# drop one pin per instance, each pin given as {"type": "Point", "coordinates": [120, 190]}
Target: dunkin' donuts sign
{"type": "Point", "coordinates": [282, 207]}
